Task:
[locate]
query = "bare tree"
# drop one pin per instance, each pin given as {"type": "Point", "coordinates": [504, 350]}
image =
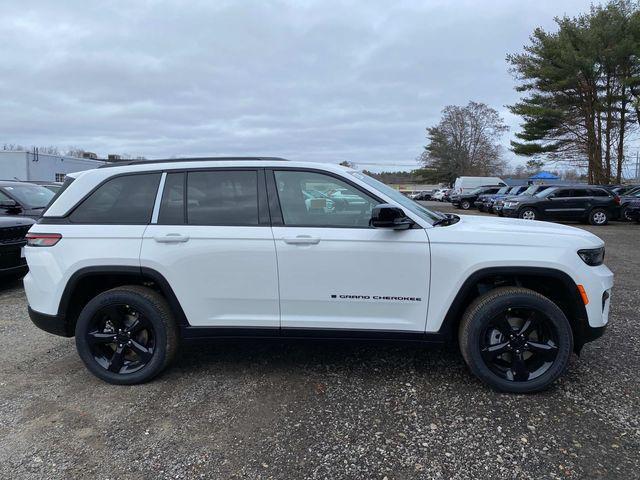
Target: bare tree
{"type": "Point", "coordinates": [464, 142]}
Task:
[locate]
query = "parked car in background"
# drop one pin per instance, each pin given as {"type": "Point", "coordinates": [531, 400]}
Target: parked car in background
{"type": "Point", "coordinates": [439, 194]}
{"type": "Point", "coordinates": [53, 186]}
{"type": "Point", "coordinates": [423, 196]}
{"type": "Point", "coordinates": [12, 241]}
{"type": "Point", "coordinates": [480, 201]}
{"type": "Point", "coordinates": [446, 196]}
{"type": "Point", "coordinates": [467, 200]}
{"type": "Point", "coordinates": [490, 200]}
{"type": "Point", "coordinates": [23, 199]}
{"type": "Point", "coordinates": [466, 184]}
{"type": "Point", "coordinates": [530, 190]}
{"type": "Point", "coordinates": [633, 211]}
{"type": "Point", "coordinates": [589, 203]}
{"type": "Point", "coordinates": [626, 201]}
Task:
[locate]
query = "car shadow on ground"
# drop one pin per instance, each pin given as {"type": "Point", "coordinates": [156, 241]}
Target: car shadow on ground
{"type": "Point", "coordinates": [321, 356]}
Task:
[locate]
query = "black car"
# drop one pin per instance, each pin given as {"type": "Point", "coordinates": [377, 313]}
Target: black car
{"type": "Point", "coordinates": [23, 199]}
{"type": "Point", "coordinates": [633, 211]}
{"type": "Point", "coordinates": [589, 203]}
{"type": "Point", "coordinates": [529, 191]}
{"type": "Point", "coordinates": [466, 200]}
{"type": "Point", "coordinates": [484, 198]}
{"type": "Point", "coordinates": [12, 239]}
{"type": "Point", "coordinates": [625, 202]}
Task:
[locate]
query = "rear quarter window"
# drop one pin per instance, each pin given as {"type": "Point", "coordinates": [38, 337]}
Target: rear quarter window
{"type": "Point", "coordinates": [126, 199]}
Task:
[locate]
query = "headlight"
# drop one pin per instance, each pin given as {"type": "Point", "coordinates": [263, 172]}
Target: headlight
{"type": "Point", "coordinates": [511, 204]}
{"type": "Point", "coordinates": [592, 256]}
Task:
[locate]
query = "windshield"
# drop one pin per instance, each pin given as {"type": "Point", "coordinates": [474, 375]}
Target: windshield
{"type": "Point", "coordinates": [545, 192]}
{"type": "Point", "coordinates": [406, 202]}
{"type": "Point", "coordinates": [514, 190]}
{"type": "Point", "coordinates": [30, 196]}
{"type": "Point", "coordinates": [503, 190]}
{"type": "Point", "coordinates": [531, 190]}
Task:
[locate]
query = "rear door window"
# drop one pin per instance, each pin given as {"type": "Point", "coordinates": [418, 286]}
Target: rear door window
{"type": "Point", "coordinates": [126, 199]}
{"type": "Point", "coordinates": [172, 203]}
{"type": "Point", "coordinates": [222, 197]}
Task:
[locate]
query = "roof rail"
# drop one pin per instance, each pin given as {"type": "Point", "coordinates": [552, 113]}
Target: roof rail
{"type": "Point", "coordinates": [193, 159]}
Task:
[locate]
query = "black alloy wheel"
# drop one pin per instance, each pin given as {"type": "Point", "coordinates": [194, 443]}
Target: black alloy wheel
{"type": "Point", "coordinates": [519, 344]}
{"type": "Point", "coordinates": [121, 339]}
{"type": "Point", "coordinates": [515, 340]}
{"type": "Point", "coordinates": [127, 335]}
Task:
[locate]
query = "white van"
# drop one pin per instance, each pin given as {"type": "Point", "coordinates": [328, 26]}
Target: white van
{"type": "Point", "coordinates": [466, 184]}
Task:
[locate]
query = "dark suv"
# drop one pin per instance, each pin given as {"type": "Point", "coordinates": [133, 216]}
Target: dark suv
{"type": "Point", "coordinates": [466, 200]}
{"type": "Point", "coordinates": [24, 199]}
{"type": "Point", "coordinates": [12, 242]}
{"type": "Point", "coordinates": [589, 203]}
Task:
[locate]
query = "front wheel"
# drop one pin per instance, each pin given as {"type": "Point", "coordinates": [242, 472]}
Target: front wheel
{"type": "Point", "coordinates": [598, 216]}
{"type": "Point", "coordinates": [528, 214]}
{"type": "Point", "coordinates": [515, 340]}
{"type": "Point", "coordinates": [126, 335]}
{"type": "Point", "coordinates": [465, 205]}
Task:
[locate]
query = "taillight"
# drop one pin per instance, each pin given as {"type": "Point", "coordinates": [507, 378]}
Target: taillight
{"type": "Point", "coordinates": [42, 239]}
{"type": "Point", "coordinates": [616, 199]}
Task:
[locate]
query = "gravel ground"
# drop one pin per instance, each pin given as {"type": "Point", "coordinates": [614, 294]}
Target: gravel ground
{"type": "Point", "coordinates": [319, 410]}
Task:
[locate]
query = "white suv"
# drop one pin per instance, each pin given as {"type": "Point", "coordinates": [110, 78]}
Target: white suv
{"type": "Point", "coordinates": [133, 259]}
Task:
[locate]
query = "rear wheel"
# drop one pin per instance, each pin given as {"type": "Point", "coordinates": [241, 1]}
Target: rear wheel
{"type": "Point", "coordinates": [515, 340]}
{"type": "Point", "coordinates": [598, 216]}
{"type": "Point", "coordinates": [625, 215]}
{"type": "Point", "coordinates": [528, 213]}
{"type": "Point", "coordinates": [126, 335]}
{"type": "Point", "coordinates": [465, 204]}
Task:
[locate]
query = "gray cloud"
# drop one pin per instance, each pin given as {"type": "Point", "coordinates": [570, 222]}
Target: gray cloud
{"type": "Point", "coordinates": [322, 81]}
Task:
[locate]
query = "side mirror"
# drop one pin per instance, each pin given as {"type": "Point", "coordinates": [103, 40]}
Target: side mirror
{"type": "Point", "coordinates": [8, 203]}
{"type": "Point", "coordinates": [389, 216]}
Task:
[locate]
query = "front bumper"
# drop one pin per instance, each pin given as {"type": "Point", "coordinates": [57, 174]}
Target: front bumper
{"type": "Point", "coordinates": [11, 260]}
{"type": "Point", "coordinates": [509, 212]}
{"type": "Point", "coordinates": [55, 324]}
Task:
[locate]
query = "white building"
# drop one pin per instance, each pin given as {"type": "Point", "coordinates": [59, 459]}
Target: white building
{"type": "Point", "coordinates": [40, 166]}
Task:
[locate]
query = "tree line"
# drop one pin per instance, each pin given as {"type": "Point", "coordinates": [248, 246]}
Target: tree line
{"type": "Point", "coordinates": [581, 86]}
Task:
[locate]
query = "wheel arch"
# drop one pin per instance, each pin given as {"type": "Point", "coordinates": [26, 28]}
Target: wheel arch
{"type": "Point", "coordinates": [88, 282]}
{"type": "Point", "coordinates": [554, 284]}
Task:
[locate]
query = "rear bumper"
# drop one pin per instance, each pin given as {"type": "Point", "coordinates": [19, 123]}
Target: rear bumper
{"type": "Point", "coordinates": [54, 324]}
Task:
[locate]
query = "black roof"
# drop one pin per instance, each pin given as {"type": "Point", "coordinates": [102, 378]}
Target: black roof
{"type": "Point", "coordinates": [193, 159]}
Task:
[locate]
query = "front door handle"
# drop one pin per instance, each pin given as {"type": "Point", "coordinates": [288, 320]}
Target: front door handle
{"type": "Point", "coordinates": [171, 238]}
{"type": "Point", "coordinates": [302, 240]}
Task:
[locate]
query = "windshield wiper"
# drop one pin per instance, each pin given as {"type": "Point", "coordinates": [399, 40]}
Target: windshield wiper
{"type": "Point", "coordinates": [449, 219]}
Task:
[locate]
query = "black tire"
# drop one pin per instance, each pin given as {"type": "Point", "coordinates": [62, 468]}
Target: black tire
{"type": "Point", "coordinates": [155, 335]}
{"type": "Point", "coordinates": [528, 213]}
{"type": "Point", "coordinates": [478, 324]}
{"type": "Point", "coordinates": [598, 216]}
{"type": "Point", "coordinates": [624, 215]}
{"type": "Point", "coordinates": [465, 204]}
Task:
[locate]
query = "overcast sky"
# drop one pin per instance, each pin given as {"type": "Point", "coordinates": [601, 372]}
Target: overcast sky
{"type": "Point", "coordinates": [321, 81]}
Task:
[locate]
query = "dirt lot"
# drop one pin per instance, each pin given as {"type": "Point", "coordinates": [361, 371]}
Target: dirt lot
{"type": "Point", "coordinates": [318, 410]}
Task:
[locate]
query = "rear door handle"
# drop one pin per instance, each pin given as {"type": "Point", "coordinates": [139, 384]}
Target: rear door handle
{"type": "Point", "coordinates": [302, 240]}
{"type": "Point", "coordinates": [171, 238]}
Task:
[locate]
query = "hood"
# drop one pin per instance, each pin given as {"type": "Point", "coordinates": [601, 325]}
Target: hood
{"type": "Point", "coordinates": [15, 221]}
{"type": "Point", "coordinates": [512, 231]}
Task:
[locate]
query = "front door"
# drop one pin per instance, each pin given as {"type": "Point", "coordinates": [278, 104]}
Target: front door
{"type": "Point", "coordinates": [212, 242]}
{"type": "Point", "coordinates": [336, 272]}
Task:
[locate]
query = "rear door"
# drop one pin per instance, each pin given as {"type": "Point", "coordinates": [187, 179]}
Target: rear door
{"type": "Point", "coordinates": [210, 238]}
{"type": "Point", "coordinates": [335, 271]}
